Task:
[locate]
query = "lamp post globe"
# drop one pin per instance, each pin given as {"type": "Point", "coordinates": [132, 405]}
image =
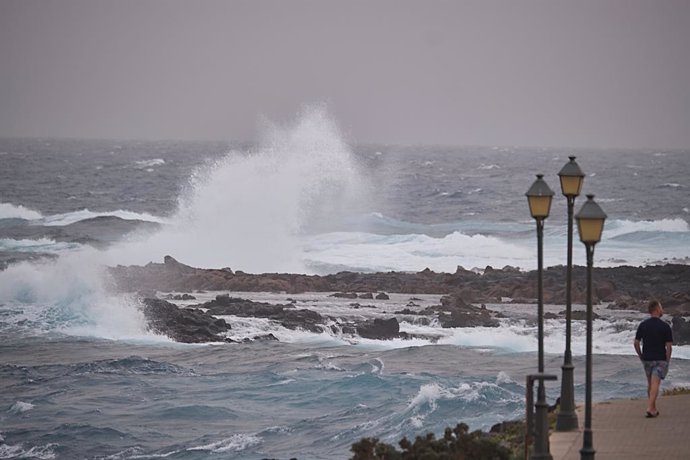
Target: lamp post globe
{"type": "Point", "coordinates": [590, 224]}
{"type": "Point", "coordinates": [539, 197]}
{"type": "Point", "coordinates": [571, 178]}
{"type": "Point", "coordinates": [590, 221]}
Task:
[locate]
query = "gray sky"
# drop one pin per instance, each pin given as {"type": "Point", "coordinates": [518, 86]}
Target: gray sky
{"type": "Point", "coordinates": [592, 73]}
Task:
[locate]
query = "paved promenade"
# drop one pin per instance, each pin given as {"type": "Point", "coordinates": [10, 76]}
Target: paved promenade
{"type": "Point", "coordinates": [621, 432]}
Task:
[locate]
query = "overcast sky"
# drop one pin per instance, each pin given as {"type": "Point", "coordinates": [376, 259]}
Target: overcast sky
{"type": "Point", "coordinates": [591, 73]}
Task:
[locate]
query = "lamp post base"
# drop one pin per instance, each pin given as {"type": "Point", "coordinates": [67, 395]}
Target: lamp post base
{"type": "Point", "coordinates": [587, 454]}
{"type": "Point", "coordinates": [567, 418]}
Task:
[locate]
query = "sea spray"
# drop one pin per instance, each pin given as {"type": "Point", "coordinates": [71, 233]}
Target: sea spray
{"type": "Point", "coordinates": [249, 209]}
{"type": "Point", "coordinates": [10, 211]}
{"type": "Point", "coordinates": [69, 295]}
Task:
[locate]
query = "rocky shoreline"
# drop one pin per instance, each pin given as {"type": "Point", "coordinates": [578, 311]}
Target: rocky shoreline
{"type": "Point", "coordinates": [623, 287]}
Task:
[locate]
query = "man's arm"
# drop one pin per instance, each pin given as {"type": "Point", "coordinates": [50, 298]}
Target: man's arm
{"type": "Point", "coordinates": [669, 350]}
{"type": "Point", "coordinates": [639, 351]}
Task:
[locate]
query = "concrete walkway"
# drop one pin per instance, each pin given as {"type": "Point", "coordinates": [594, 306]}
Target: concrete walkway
{"type": "Point", "coordinates": [621, 432]}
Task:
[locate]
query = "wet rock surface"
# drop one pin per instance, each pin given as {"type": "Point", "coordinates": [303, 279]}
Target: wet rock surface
{"type": "Point", "coordinates": [188, 325]}
{"type": "Point", "coordinates": [287, 315]}
{"type": "Point", "coordinates": [455, 312]}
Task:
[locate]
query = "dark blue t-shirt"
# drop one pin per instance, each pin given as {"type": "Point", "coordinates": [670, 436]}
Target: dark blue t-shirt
{"type": "Point", "coordinates": [654, 333]}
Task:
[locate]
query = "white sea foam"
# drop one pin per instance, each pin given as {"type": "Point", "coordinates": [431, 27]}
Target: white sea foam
{"type": "Point", "coordinates": [427, 398]}
{"type": "Point", "coordinates": [132, 453]}
{"type": "Point", "coordinates": [619, 227]}
{"type": "Point", "coordinates": [378, 369]}
{"type": "Point", "coordinates": [10, 451]}
{"type": "Point", "coordinates": [148, 164]}
{"type": "Point", "coordinates": [76, 216]}
{"type": "Point", "coordinates": [11, 211]}
{"type": "Point", "coordinates": [20, 407]}
{"type": "Point", "coordinates": [45, 452]}
{"type": "Point", "coordinates": [412, 252]}
{"type": "Point", "coordinates": [37, 245]}
{"type": "Point", "coordinates": [502, 378]}
{"type": "Point", "coordinates": [612, 336]}
{"type": "Point", "coordinates": [235, 443]}
{"type": "Point", "coordinates": [428, 394]}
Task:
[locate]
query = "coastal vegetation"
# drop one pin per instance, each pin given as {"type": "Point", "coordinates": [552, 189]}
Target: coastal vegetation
{"type": "Point", "coordinates": [676, 391]}
{"type": "Point", "coordinates": [456, 444]}
{"type": "Point", "coordinates": [505, 441]}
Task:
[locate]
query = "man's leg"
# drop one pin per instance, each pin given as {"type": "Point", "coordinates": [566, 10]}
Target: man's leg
{"type": "Point", "coordinates": [654, 384]}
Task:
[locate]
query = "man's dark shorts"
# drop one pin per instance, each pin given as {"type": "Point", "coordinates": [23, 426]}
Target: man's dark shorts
{"type": "Point", "coordinates": [658, 368]}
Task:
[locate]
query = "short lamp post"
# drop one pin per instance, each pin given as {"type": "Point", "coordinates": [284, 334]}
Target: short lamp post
{"type": "Point", "coordinates": [571, 177]}
{"type": "Point", "coordinates": [539, 197]}
{"type": "Point", "coordinates": [590, 224]}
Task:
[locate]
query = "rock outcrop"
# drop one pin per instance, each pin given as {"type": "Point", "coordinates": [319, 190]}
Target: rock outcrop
{"type": "Point", "coordinates": [455, 312]}
{"type": "Point", "coordinates": [620, 287]}
{"type": "Point", "coordinates": [629, 286]}
{"type": "Point", "coordinates": [287, 315]}
{"type": "Point", "coordinates": [681, 330]}
{"type": "Point", "coordinates": [188, 325]}
{"type": "Point", "coordinates": [379, 329]}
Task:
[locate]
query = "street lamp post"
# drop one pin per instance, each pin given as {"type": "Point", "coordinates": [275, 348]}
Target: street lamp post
{"type": "Point", "coordinates": [571, 177]}
{"type": "Point", "coordinates": [539, 197]}
{"type": "Point", "coordinates": [590, 224]}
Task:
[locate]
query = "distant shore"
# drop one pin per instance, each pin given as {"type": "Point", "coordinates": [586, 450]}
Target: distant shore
{"type": "Point", "coordinates": [621, 287]}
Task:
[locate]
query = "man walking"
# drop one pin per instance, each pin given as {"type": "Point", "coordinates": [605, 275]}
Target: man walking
{"type": "Point", "coordinates": [657, 344]}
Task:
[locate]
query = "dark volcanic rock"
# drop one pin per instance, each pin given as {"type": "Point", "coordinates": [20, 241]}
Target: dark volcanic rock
{"type": "Point", "coordinates": [681, 331]}
{"type": "Point", "coordinates": [256, 338]}
{"type": "Point", "coordinates": [605, 290]}
{"type": "Point", "coordinates": [344, 295]}
{"type": "Point", "coordinates": [677, 304]}
{"type": "Point", "coordinates": [619, 286]}
{"type": "Point", "coordinates": [182, 324]}
{"type": "Point", "coordinates": [406, 311]}
{"type": "Point", "coordinates": [455, 312]}
{"type": "Point", "coordinates": [302, 319]}
{"type": "Point", "coordinates": [287, 314]}
{"type": "Point", "coordinates": [379, 329]}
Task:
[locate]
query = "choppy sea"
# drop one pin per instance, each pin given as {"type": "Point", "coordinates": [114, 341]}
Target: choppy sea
{"type": "Point", "coordinates": [82, 378]}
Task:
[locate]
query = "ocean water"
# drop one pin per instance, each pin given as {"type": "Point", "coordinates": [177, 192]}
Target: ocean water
{"type": "Point", "coordinates": [83, 378]}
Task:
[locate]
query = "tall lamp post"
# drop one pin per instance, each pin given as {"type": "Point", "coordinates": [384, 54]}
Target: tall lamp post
{"type": "Point", "coordinates": [539, 197]}
{"type": "Point", "coordinates": [571, 177]}
{"type": "Point", "coordinates": [590, 224]}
